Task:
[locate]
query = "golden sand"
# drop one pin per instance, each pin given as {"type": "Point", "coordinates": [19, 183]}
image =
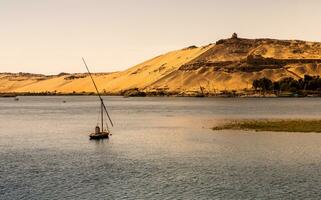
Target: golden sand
{"type": "Point", "coordinates": [163, 72]}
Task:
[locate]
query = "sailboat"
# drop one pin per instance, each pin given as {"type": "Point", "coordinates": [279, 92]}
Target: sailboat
{"type": "Point", "coordinates": [100, 132]}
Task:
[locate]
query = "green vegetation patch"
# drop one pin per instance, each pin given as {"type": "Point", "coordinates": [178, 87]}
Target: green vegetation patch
{"type": "Point", "coordinates": [300, 87]}
{"type": "Point", "coordinates": [273, 125]}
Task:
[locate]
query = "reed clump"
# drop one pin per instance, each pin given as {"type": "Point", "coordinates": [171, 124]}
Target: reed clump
{"type": "Point", "coordinates": [290, 125]}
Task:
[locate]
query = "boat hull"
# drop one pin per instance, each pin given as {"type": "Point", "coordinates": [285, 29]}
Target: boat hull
{"type": "Point", "coordinates": [99, 136]}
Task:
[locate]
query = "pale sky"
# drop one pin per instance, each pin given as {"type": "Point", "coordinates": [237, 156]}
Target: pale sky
{"type": "Point", "coordinates": [51, 36]}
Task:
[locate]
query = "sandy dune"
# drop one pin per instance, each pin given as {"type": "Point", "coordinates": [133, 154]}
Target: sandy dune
{"type": "Point", "coordinates": [230, 64]}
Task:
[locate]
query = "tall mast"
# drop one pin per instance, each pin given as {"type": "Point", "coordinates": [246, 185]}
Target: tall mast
{"type": "Point", "coordinates": [101, 100]}
{"type": "Point", "coordinates": [102, 117]}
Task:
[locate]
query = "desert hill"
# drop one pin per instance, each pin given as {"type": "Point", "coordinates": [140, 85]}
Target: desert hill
{"type": "Point", "coordinates": [229, 64]}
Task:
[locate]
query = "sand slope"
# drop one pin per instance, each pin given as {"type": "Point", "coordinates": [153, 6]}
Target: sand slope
{"type": "Point", "coordinates": [230, 64]}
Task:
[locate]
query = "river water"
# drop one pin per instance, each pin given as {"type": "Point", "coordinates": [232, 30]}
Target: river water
{"type": "Point", "coordinates": [161, 148]}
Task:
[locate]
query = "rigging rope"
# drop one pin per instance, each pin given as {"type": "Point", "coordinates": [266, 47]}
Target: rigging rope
{"type": "Point", "coordinates": [98, 119]}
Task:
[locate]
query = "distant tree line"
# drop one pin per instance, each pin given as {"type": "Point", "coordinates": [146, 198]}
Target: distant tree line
{"type": "Point", "coordinates": [289, 84]}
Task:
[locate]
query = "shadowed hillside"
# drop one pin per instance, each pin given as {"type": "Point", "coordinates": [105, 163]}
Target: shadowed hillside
{"type": "Point", "coordinates": [229, 64]}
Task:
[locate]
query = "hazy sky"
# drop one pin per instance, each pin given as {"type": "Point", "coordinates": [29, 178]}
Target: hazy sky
{"type": "Point", "coordinates": [51, 36]}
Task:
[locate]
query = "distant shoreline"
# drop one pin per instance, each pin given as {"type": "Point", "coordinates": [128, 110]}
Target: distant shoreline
{"type": "Point", "coordinates": [162, 94]}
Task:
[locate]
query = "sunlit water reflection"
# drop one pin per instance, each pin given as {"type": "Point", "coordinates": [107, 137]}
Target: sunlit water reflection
{"type": "Point", "coordinates": [161, 148]}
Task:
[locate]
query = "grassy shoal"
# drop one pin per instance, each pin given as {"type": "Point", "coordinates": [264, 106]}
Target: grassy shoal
{"type": "Point", "coordinates": [290, 125]}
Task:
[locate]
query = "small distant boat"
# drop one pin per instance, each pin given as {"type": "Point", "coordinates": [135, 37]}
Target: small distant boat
{"type": "Point", "coordinates": [16, 99]}
{"type": "Point", "coordinates": [100, 132]}
{"type": "Point", "coordinates": [97, 135]}
{"type": "Point", "coordinates": [200, 94]}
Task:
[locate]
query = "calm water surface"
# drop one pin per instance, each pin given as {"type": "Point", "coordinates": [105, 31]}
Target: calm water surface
{"type": "Point", "coordinates": [161, 148]}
